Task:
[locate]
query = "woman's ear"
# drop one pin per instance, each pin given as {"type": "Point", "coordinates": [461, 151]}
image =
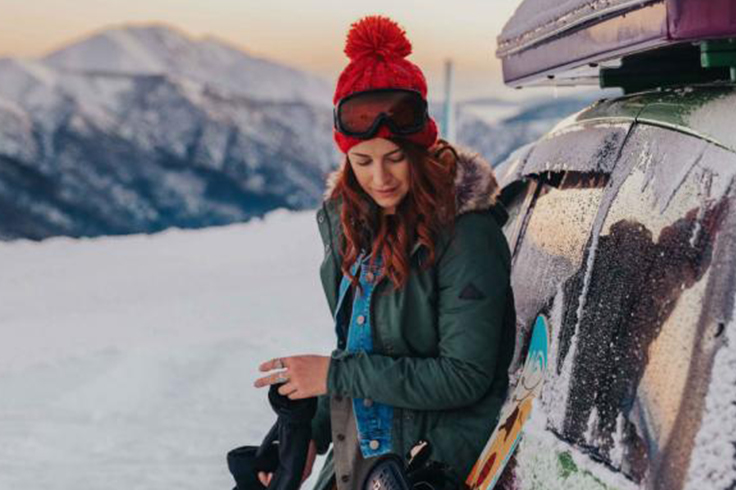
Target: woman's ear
{"type": "Point", "coordinates": [445, 153]}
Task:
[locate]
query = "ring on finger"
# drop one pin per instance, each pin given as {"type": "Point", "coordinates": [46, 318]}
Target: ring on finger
{"type": "Point", "coordinates": [282, 378]}
{"type": "Point", "coordinates": [278, 363]}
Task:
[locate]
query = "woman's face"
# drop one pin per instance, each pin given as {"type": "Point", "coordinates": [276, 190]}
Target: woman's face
{"type": "Point", "coordinates": [382, 170]}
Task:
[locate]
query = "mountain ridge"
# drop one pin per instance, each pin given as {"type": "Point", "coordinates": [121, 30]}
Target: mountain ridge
{"type": "Point", "coordinates": [99, 151]}
{"type": "Point", "coordinates": [161, 49]}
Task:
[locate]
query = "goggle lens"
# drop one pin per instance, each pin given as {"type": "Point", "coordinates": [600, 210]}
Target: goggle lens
{"type": "Point", "coordinates": [404, 110]}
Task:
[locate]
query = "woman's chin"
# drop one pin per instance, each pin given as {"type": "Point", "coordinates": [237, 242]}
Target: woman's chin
{"type": "Point", "coordinates": [388, 201]}
{"type": "Point", "coordinates": [388, 205]}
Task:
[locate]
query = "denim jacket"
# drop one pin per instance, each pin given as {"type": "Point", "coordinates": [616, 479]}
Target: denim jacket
{"type": "Point", "coordinates": [373, 420]}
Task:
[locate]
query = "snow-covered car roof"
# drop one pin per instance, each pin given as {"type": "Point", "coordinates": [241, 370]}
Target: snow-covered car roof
{"type": "Point", "coordinates": [546, 37]}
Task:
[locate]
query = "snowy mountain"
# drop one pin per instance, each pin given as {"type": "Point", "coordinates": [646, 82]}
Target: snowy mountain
{"type": "Point", "coordinates": [87, 150]}
{"type": "Point", "coordinates": [163, 50]}
{"type": "Point", "coordinates": [137, 129]}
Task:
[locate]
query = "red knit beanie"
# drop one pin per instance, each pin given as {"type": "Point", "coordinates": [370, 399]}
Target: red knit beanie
{"type": "Point", "coordinates": [377, 48]}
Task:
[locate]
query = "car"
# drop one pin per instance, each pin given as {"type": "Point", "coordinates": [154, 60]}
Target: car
{"type": "Point", "coordinates": [623, 233]}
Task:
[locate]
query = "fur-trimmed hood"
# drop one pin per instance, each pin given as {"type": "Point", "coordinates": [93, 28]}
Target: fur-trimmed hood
{"type": "Point", "coordinates": [476, 187]}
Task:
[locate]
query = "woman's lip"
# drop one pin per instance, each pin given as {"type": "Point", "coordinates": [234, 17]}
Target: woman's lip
{"type": "Point", "coordinates": [390, 191]}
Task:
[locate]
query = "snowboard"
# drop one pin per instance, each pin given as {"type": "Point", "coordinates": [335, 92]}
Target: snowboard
{"type": "Point", "coordinates": [514, 413]}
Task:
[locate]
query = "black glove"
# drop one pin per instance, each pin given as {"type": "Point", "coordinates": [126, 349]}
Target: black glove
{"type": "Point", "coordinates": [244, 465]}
{"type": "Point", "coordinates": [294, 433]}
{"type": "Point", "coordinates": [283, 450]}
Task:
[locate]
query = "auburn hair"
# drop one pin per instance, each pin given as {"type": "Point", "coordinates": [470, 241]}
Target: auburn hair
{"type": "Point", "coordinates": [428, 207]}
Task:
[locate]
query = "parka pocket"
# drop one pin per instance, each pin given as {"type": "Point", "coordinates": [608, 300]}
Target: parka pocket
{"type": "Point", "coordinates": [416, 425]}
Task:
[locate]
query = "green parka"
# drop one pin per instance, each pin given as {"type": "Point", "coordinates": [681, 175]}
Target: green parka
{"type": "Point", "coordinates": [443, 343]}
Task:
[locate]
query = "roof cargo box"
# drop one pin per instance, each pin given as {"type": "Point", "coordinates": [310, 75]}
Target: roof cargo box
{"type": "Point", "coordinates": [569, 42]}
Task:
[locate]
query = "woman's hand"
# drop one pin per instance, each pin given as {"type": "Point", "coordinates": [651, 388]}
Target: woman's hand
{"type": "Point", "coordinates": [302, 376]}
{"type": "Point", "coordinates": [265, 478]}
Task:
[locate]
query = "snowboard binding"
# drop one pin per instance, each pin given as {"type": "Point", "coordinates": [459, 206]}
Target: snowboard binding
{"type": "Point", "coordinates": [420, 473]}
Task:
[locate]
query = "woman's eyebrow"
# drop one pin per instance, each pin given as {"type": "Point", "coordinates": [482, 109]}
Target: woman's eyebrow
{"type": "Point", "coordinates": [368, 156]}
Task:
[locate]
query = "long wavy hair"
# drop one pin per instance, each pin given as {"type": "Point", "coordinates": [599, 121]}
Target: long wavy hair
{"type": "Point", "coordinates": [427, 208]}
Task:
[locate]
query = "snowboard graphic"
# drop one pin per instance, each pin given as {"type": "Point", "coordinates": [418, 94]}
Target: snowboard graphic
{"type": "Point", "coordinates": [515, 411]}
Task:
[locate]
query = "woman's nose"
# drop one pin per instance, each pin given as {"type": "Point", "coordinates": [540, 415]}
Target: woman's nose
{"type": "Point", "coordinates": [381, 176]}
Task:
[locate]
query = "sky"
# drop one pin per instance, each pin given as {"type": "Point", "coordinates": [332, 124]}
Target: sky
{"type": "Point", "coordinates": [305, 34]}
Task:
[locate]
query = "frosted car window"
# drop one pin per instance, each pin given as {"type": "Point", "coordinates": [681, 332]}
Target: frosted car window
{"type": "Point", "coordinates": [714, 413]}
{"type": "Point", "coordinates": [517, 198]}
{"type": "Point", "coordinates": [631, 356]}
{"type": "Point", "coordinates": [552, 242]}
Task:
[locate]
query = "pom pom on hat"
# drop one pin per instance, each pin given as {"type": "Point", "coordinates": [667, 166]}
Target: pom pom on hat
{"type": "Point", "coordinates": [377, 47]}
{"type": "Point", "coordinates": [377, 36]}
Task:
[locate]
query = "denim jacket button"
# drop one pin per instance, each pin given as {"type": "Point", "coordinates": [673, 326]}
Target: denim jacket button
{"type": "Point", "coordinates": [320, 217]}
{"type": "Point", "coordinates": [367, 402]}
{"type": "Point", "coordinates": [327, 248]}
{"type": "Point", "coordinates": [374, 444]}
{"type": "Point", "coordinates": [361, 319]}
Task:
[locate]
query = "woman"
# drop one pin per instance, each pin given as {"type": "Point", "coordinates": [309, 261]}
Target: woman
{"type": "Point", "coordinates": [416, 274]}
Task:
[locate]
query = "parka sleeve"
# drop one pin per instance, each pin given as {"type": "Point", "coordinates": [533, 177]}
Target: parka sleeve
{"type": "Point", "coordinates": [473, 281]}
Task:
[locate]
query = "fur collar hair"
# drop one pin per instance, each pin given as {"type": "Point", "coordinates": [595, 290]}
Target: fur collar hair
{"type": "Point", "coordinates": [476, 187]}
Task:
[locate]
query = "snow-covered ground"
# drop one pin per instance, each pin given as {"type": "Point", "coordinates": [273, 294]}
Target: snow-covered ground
{"type": "Point", "coordinates": [128, 362]}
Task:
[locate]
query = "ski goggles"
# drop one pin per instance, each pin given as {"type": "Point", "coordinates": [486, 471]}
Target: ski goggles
{"type": "Point", "coordinates": [360, 114]}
